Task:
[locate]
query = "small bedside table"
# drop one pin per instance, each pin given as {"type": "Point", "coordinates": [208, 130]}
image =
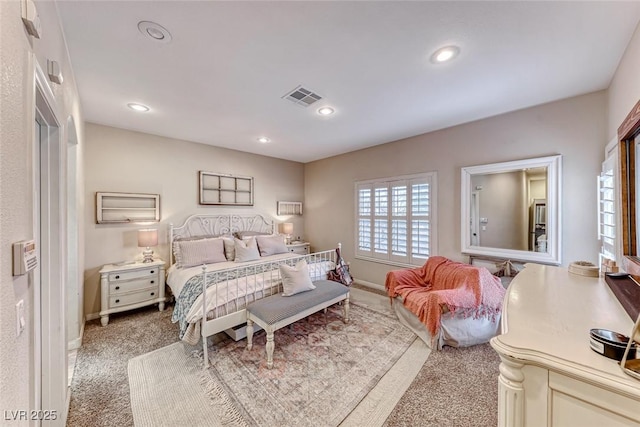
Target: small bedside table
{"type": "Point", "coordinates": [129, 286]}
{"type": "Point", "coordinates": [301, 248]}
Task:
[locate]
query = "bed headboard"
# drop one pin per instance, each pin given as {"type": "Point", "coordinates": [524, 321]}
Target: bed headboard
{"type": "Point", "coordinates": [219, 224]}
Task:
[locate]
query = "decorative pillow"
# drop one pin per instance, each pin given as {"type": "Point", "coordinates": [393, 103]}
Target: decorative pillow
{"type": "Point", "coordinates": [295, 279]}
{"type": "Point", "coordinates": [202, 251]}
{"type": "Point", "coordinates": [271, 245]}
{"type": "Point", "coordinates": [176, 247]}
{"type": "Point", "coordinates": [229, 247]}
{"type": "Point", "coordinates": [243, 235]}
{"type": "Point", "coordinates": [246, 251]}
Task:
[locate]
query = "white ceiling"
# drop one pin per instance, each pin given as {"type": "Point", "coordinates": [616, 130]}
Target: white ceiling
{"type": "Point", "coordinates": [221, 79]}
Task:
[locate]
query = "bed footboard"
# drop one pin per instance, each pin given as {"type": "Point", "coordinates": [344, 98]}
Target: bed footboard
{"type": "Point", "coordinates": [226, 293]}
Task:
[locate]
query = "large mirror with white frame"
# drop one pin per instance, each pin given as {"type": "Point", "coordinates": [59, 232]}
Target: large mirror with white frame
{"type": "Point", "coordinates": [512, 210]}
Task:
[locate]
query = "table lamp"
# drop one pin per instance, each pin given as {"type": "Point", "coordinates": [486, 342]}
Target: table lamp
{"type": "Point", "coordinates": [147, 238]}
{"type": "Point", "coordinates": [286, 228]}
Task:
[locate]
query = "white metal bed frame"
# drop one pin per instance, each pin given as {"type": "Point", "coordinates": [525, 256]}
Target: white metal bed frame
{"type": "Point", "coordinates": [224, 224]}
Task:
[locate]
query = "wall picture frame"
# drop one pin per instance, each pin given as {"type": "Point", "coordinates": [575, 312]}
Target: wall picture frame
{"type": "Point", "coordinates": [224, 189]}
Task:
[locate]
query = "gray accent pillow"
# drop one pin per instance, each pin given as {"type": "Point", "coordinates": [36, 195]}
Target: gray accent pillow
{"type": "Point", "coordinates": [202, 251]}
{"type": "Point", "coordinates": [271, 245]}
{"type": "Point", "coordinates": [246, 250]}
{"type": "Point", "coordinates": [295, 279]}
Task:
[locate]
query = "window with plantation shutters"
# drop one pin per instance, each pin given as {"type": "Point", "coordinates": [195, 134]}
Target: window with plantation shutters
{"type": "Point", "coordinates": [395, 219]}
{"type": "Point", "coordinates": [608, 205]}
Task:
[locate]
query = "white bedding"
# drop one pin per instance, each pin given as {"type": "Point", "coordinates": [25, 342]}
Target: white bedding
{"type": "Point", "coordinates": [177, 277]}
{"type": "Point", "coordinates": [232, 295]}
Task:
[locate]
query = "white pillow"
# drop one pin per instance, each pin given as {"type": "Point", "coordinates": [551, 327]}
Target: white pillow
{"type": "Point", "coordinates": [271, 245]}
{"type": "Point", "coordinates": [202, 251]}
{"type": "Point", "coordinates": [246, 250]}
{"type": "Point", "coordinates": [295, 279]}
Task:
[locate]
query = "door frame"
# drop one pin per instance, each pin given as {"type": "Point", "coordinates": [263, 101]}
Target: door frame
{"type": "Point", "coordinates": [49, 222]}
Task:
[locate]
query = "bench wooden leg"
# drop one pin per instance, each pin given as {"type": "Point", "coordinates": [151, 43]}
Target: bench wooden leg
{"type": "Point", "coordinates": [270, 346]}
{"type": "Point", "coordinates": [249, 334]}
{"type": "Point", "coordinates": [345, 310]}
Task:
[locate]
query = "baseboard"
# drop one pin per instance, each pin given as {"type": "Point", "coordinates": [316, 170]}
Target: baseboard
{"type": "Point", "coordinates": [369, 284]}
{"type": "Point", "coordinates": [91, 316]}
{"type": "Point", "coordinates": [76, 343]}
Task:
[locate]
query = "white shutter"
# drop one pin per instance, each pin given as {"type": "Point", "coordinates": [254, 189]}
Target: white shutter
{"type": "Point", "coordinates": [399, 221]}
{"type": "Point", "coordinates": [364, 233]}
{"type": "Point", "coordinates": [607, 209]}
{"type": "Point", "coordinates": [420, 216]}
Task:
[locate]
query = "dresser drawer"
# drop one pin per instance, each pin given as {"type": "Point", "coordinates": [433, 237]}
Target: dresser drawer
{"type": "Point", "coordinates": [135, 274]}
{"type": "Point", "coordinates": [121, 286]}
{"type": "Point", "coordinates": [133, 298]}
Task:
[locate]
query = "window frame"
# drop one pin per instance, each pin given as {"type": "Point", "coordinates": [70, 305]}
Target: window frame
{"type": "Point", "coordinates": [408, 260]}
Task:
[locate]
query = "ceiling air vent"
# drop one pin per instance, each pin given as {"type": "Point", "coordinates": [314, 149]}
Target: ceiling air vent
{"type": "Point", "coordinates": [302, 96]}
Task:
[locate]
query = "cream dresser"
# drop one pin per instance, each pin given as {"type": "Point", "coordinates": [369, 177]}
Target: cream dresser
{"type": "Point", "coordinates": [549, 376]}
{"type": "Point", "coordinates": [125, 287]}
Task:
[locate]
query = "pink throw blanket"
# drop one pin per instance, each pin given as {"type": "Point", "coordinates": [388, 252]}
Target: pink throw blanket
{"type": "Point", "coordinates": [462, 288]}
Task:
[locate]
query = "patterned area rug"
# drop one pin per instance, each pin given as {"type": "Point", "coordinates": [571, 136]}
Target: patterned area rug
{"type": "Point", "coordinates": [322, 368]}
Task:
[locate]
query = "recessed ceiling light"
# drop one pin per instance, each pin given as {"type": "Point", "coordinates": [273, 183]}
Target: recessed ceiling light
{"type": "Point", "coordinates": [155, 31]}
{"type": "Point", "coordinates": [445, 54]}
{"type": "Point", "coordinates": [138, 107]}
{"type": "Point", "coordinates": [264, 139]}
{"type": "Point", "coordinates": [326, 111]}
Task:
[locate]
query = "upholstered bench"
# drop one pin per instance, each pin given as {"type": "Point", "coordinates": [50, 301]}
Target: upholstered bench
{"type": "Point", "coordinates": [277, 311]}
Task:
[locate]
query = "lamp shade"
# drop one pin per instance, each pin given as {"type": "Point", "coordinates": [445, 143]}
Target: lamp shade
{"type": "Point", "coordinates": [286, 228]}
{"type": "Point", "coordinates": [147, 237]}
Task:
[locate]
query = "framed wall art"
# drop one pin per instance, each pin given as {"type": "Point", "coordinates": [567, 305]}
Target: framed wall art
{"type": "Point", "coordinates": [225, 189]}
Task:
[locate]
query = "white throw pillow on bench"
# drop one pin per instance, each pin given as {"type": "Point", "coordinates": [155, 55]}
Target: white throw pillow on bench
{"type": "Point", "coordinates": [295, 279]}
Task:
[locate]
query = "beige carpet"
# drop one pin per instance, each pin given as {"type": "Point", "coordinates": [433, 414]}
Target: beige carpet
{"type": "Point", "coordinates": [325, 373]}
{"type": "Point", "coordinates": [456, 387]}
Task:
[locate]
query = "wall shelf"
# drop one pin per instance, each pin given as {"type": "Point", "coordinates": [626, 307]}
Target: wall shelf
{"type": "Point", "coordinates": [289, 208]}
{"type": "Point", "coordinates": [118, 208]}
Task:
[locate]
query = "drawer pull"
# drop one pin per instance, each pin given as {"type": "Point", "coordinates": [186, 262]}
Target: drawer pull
{"type": "Point", "coordinates": [153, 293]}
{"type": "Point", "coordinates": [152, 271]}
{"type": "Point", "coordinates": [117, 287]}
{"type": "Point", "coordinates": [117, 301]}
{"type": "Point", "coordinates": [152, 281]}
{"type": "Point", "coordinates": [117, 277]}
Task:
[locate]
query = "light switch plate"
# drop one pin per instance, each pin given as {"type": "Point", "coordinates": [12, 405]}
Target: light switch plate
{"type": "Point", "coordinates": [20, 322]}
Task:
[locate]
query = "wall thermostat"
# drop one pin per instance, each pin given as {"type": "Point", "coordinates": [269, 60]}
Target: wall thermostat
{"type": "Point", "coordinates": [25, 257]}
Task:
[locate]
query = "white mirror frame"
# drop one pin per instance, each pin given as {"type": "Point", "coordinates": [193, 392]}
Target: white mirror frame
{"type": "Point", "coordinates": [554, 232]}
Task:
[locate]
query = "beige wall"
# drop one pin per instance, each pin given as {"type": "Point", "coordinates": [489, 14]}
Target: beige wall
{"type": "Point", "coordinates": [502, 199]}
{"type": "Point", "coordinates": [125, 161]}
{"type": "Point", "coordinates": [16, 185]}
{"type": "Point", "coordinates": [575, 128]}
{"type": "Point", "coordinates": [624, 90]}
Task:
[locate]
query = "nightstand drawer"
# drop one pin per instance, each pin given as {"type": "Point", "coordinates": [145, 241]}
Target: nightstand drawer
{"type": "Point", "coordinates": [299, 248]}
{"type": "Point", "coordinates": [132, 298]}
{"type": "Point", "coordinates": [135, 274]}
{"type": "Point", "coordinates": [133, 285]}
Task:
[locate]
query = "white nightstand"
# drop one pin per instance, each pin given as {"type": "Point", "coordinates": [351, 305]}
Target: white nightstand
{"type": "Point", "coordinates": [129, 286]}
{"type": "Point", "coordinates": [302, 248]}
